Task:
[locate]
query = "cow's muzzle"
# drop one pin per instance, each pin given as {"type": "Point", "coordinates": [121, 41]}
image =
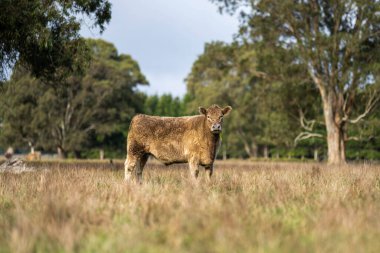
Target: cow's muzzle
{"type": "Point", "coordinates": [216, 128]}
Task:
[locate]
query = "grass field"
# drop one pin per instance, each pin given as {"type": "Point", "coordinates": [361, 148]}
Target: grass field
{"type": "Point", "coordinates": [247, 207]}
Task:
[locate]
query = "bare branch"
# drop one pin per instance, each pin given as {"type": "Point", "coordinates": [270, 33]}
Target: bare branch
{"type": "Point", "coordinates": [320, 84]}
{"type": "Point", "coordinates": [306, 135]}
{"type": "Point", "coordinates": [91, 127]}
{"type": "Point", "coordinates": [360, 138]}
{"type": "Point", "coordinates": [372, 102]}
{"type": "Point", "coordinates": [308, 125]}
{"type": "Point", "coordinates": [353, 138]}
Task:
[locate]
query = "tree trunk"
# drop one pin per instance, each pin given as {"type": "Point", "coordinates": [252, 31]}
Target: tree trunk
{"type": "Point", "coordinates": [316, 155]}
{"type": "Point", "coordinates": [254, 150]}
{"type": "Point", "coordinates": [266, 152]}
{"type": "Point", "coordinates": [31, 147]}
{"type": "Point", "coordinates": [335, 145]}
{"type": "Point", "coordinates": [335, 131]}
{"type": "Point", "coordinates": [101, 154]}
{"type": "Point", "coordinates": [251, 150]}
{"type": "Point", "coordinates": [224, 152]}
{"type": "Point", "coordinates": [61, 153]}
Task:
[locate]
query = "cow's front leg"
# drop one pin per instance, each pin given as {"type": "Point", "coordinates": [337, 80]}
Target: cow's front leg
{"type": "Point", "coordinates": [210, 170]}
{"type": "Point", "coordinates": [130, 167]}
{"type": "Point", "coordinates": [194, 168]}
{"type": "Point", "coordinates": [140, 167]}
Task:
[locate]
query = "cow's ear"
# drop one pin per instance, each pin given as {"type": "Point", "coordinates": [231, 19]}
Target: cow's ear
{"type": "Point", "coordinates": [226, 110]}
{"type": "Point", "coordinates": [202, 110]}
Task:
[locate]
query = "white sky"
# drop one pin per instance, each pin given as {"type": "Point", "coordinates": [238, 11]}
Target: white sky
{"type": "Point", "coordinates": [165, 37]}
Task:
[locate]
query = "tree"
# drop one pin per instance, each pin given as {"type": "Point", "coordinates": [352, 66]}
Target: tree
{"type": "Point", "coordinates": [99, 103]}
{"type": "Point", "coordinates": [226, 74]}
{"type": "Point", "coordinates": [338, 45]}
{"type": "Point", "coordinates": [164, 105]}
{"type": "Point", "coordinates": [17, 110]}
{"type": "Point", "coordinates": [364, 137]}
{"type": "Point", "coordinates": [43, 36]}
{"type": "Point", "coordinates": [150, 105]}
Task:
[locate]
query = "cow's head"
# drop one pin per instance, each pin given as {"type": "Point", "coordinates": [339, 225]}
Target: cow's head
{"type": "Point", "coordinates": [214, 117]}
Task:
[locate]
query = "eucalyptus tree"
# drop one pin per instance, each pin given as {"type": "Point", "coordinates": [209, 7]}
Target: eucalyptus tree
{"type": "Point", "coordinates": [336, 42]}
{"type": "Point", "coordinates": [43, 36]}
{"type": "Point", "coordinates": [64, 117]}
{"type": "Point", "coordinates": [226, 74]}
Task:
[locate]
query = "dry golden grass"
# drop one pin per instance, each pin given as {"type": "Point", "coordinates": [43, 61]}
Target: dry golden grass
{"type": "Point", "coordinates": [247, 207]}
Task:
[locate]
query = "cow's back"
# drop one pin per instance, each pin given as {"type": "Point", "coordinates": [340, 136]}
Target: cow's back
{"type": "Point", "coordinates": [166, 138]}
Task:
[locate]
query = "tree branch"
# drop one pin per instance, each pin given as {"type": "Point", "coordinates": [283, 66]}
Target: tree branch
{"type": "Point", "coordinates": [352, 138]}
{"type": "Point", "coordinates": [372, 102]}
{"type": "Point", "coordinates": [306, 135]}
{"type": "Point", "coordinates": [308, 125]}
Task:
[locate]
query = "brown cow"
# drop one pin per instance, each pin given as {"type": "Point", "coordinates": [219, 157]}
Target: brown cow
{"type": "Point", "coordinates": [192, 139]}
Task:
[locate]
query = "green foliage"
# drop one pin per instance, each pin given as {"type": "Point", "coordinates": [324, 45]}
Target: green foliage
{"type": "Point", "coordinates": [225, 75]}
{"type": "Point", "coordinates": [43, 36]}
{"type": "Point", "coordinates": [333, 46]}
{"type": "Point", "coordinates": [164, 105]}
{"type": "Point", "coordinates": [269, 75]}
{"type": "Point", "coordinates": [266, 110]}
{"type": "Point", "coordinates": [18, 105]}
{"type": "Point", "coordinates": [86, 110]}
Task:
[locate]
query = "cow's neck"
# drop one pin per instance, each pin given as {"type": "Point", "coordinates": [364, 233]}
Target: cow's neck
{"type": "Point", "coordinates": [214, 140]}
{"type": "Point", "coordinates": [211, 139]}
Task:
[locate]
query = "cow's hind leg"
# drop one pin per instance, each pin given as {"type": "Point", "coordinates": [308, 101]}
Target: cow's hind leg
{"type": "Point", "coordinates": [210, 170]}
{"type": "Point", "coordinates": [140, 167]}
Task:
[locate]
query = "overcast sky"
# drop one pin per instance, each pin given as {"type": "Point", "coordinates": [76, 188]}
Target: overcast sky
{"type": "Point", "coordinates": [165, 37]}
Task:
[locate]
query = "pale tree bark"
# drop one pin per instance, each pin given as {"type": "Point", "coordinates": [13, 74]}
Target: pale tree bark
{"type": "Point", "coordinates": [31, 145]}
{"type": "Point", "coordinates": [334, 128]}
{"type": "Point", "coordinates": [316, 155]}
{"type": "Point", "coordinates": [101, 154]}
{"type": "Point", "coordinates": [250, 147]}
{"type": "Point", "coordinates": [254, 150]}
{"type": "Point", "coordinates": [266, 152]}
{"type": "Point", "coordinates": [308, 127]}
{"type": "Point", "coordinates": [61, 153]}
{"type": "Point", "coordinates": [224, 153]}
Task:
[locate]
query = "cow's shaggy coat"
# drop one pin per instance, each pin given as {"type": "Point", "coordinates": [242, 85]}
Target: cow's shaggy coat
{"type": "Point", "coordinates": [192, 139]}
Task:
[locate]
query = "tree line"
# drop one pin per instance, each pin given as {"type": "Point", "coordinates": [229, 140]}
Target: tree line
{"type": "Point", "coordinates": [302, 77]}
{"type": "Point", "coordinates": [332, 45]}
{"type": "Point", "coordinates": [91, 113]}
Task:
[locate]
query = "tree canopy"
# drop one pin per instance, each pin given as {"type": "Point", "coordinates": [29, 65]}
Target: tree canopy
{"type": "Point", "coordinates": [65, 117]}
{"type": "Point", "coordinates": [43, 36]}
{"type": "Point", "coordinates": [335, 44]}
{"type": "Point", "coordinates": [302, 77]}
{"type": "Point", "coordinates": [265, 110]}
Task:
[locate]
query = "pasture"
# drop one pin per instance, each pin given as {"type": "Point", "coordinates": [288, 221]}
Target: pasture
{"type": "Point", "coordinates": [247, 207]}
